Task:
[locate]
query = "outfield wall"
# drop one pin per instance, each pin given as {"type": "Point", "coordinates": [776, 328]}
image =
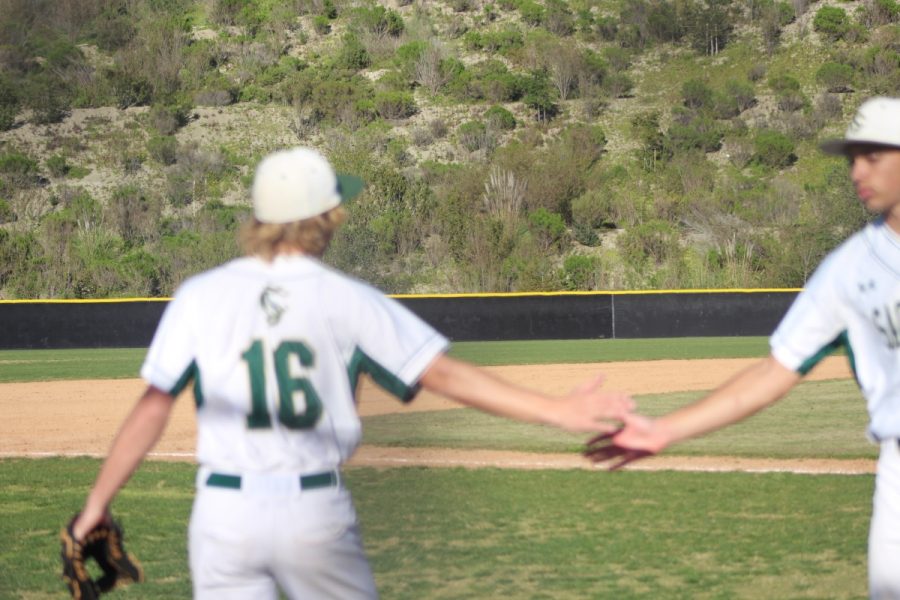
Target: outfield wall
{"type": "Point", "coordinates": [130, 323]}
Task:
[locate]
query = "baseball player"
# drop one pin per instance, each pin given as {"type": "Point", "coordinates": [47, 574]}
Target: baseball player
{"type": "Point", "coordinates": [274, 343]}
{"type": "Point", "coordinates": [852, 300]}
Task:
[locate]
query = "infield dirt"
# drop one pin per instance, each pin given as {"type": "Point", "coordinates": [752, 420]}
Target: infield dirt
{"type": "Point", "coordinates": [81, 417]}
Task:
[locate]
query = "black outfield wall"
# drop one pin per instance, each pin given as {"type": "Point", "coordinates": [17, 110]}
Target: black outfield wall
{"type": "Point", "coordinates": [130, 323]}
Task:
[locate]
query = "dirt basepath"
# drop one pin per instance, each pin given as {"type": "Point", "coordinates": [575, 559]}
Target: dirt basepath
{"type": "Point", "coordinates": [81, 417]}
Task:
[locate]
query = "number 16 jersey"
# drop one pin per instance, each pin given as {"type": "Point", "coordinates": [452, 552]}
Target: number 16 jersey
{"type": "Point", "coordinates": [275, 351]}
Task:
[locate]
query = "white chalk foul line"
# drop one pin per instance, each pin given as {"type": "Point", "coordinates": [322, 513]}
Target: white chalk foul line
{"type": "Point", "coordinates": [684, 465]}
{"type": "Point", "coordinates": [88, 455]}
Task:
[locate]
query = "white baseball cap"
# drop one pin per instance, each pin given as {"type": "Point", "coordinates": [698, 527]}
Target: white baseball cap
{"type": "Point", "coordinates": [291, 185]}
{"type": "Point", "coordinates": [876, 122]}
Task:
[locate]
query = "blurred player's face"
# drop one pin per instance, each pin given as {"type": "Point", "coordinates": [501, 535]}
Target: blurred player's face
{"type": "Point", "coordinates": [875, 172]}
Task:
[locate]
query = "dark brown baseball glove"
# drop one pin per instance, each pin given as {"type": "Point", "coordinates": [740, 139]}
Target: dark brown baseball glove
{"type": "Point", "coordinates": [104, 543]}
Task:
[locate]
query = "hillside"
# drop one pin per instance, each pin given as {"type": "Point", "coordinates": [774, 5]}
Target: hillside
{"type": "Point", "coordinates": [514, 145]}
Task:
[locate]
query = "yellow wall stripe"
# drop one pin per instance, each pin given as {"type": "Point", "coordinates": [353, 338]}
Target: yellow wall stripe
{"type": "Point", "coordinates": [460, 295]}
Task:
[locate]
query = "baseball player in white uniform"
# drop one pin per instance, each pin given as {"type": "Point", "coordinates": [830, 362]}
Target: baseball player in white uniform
{"type": "Point", "coordinates": [852, 300]}
{"type": "Point", "coordinates": [274, 344]}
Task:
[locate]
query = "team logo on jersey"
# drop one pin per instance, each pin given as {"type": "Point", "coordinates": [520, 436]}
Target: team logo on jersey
{"type": "Point", "coordinates": [887, 321]}
{"type": "Point", "coordinates": [272, 302]}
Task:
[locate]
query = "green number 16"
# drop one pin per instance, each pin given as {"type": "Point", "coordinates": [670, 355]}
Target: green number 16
{"type": "Point", "coordinates": [259, 417]}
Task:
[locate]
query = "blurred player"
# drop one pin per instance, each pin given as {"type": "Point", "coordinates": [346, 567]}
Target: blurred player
{"type": "Point", "coordinates": [852, 300]}
{"type": "Point", "coordinates": [274, 343]}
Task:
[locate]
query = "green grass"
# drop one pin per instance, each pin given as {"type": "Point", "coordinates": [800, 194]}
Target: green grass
{"type": "Point", "coordinates": [584, 351]}
{"type": "Point", "coordinates": [117, 363]}
{"type": "Point", "coordinates": [822, 419]}
{"type": "Point", "coordinates": [452, 533]}
{"type": "Point", "coordinates": [50, 365]}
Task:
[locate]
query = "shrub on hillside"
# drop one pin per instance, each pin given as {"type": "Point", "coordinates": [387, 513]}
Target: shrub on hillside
{"type": "Point", "coordinates": [653, 241]}
{"type": "Point", "coordinates": [395, 104]}
{"type": "Point", "coordinates": [48, 97]}
{"type": "Point", "coordinates": [163, 149]}
{"type": "Point", "coordinates": [773, 149]}
{"type": "Point", "coordinates": [499, 118]}
{"type": "Point", "coordinates": [352, 54]}
{"type": "Point", "coordinates": [694, 131]}
{"type": "Point", "coordinates": [473, 136]}
{"type": "Point", "coordinates": [580, 273]}
{"type": "Point", "coordinates": [548, 227]}
{"type": "Point", "coordinates": [6, 212]}
{"type": "Point", "coordinates": [57, 165]}
{"type": "Point", "coordinates": [558, 18]}
{"type": "Point", "coordinates": [378, 20]}
{"type": "Point", "coordinates": [832, 21]}
{"type": "Point", "coordinates": [836, 77]}
{"type": "Point", "coordinates": [696, 94]}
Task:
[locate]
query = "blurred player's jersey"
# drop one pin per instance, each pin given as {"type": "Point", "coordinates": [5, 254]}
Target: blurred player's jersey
{"type": "Point", "coordinates": [275, 351]}
{"type": "Point", "coordinates": [853, 300]}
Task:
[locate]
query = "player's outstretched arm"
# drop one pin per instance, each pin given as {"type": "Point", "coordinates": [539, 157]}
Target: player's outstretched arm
{"type": "Point", "coordinates": [748, 392]}
{"type": "Point", "coordinates": [139, 432]}
{"type": "Point", "coordinates": [587, 408]}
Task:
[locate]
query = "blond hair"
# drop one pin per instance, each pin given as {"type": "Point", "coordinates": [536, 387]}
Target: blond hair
{"type": "Point", "coordinates": [309, 236]}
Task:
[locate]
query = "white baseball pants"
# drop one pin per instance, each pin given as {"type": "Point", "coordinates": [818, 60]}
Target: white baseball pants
{"type": "Point", "coordinates": [884, 531]}
{"type": "Point", "coordinates": [253, 534]}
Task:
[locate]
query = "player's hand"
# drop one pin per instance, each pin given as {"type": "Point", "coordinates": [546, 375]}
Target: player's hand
{"type": "Point", "coordinates": [87, 520]}
{"type": "Point", "coordinates": [588, 408]}
{"type": "Point", "coordinates": [638, 438]}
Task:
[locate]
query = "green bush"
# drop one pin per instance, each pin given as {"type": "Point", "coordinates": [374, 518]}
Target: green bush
{"type": "Point", "coordinates": [548, 227]}
{"type": "Point", "coordinates": [655, 241]}
{"type": "Point", "coordinates": [696, 94]}
{"type": "Point", "coordinates": [7, 116]}
{"type": "Point", "coordinates": [698, 132]}
{"type": "Point", "coordinates": [592, 209]}
{"type": "Point", "coordinates": [836, 77]}
{"type": "Point", "coordinates": [9, 103]}
{"type": "Point", "coordinates": [352, 54]}
{"type": "Point", "coordinates": [128, 88]}
{"type": "Point", "coordinates": [166, 119]}
{"type": "Point", "coordinates": [579, 272]}
{"type": "Point", "coordinates": [379, 20]}
{"type": "Point", "coordinates": [493, 81]}
{"type": "Point", "coordinates": [540, 96]}
{"type": "Point", "coordinates": [163, 149]}
{"type": "Point", "coordinates": [48, 97]}
{"type": "Point", "coordinates": [321, 25]}
{"type": "Point", "coordinates": [832, 21]}
{"type": "Point", "coordinates": [57, 165]}
{"type": "Point", "coordinates": [6, 212]}
{"type": "Point", "coordinates": [472, 135]}
{"type": "Point", "coordinates": [773, 148]}
{"type": "Point", "coordinates": [498, 117]}
{"type": "Point", "coordinates": [531, 12]}
{"type": "Point", "coordinates": [18, 170]}
{"type": "Point", "coordinates": [558, 18]}
{"type": "Point", "coordinates": [395, 105]}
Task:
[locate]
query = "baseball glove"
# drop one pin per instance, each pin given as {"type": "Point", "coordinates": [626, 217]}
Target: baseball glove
{"type": "Point", "coordinates": [104, 544]}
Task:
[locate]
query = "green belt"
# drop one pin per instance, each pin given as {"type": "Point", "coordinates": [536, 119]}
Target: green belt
{"type": "Point", "coordinates": [307, 482]}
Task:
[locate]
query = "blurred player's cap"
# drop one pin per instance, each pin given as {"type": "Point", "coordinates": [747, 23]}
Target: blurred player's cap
{"type": "Point", "coordinates": [877, 122]}
{"type": "Point", "coordinates": [291, 185]}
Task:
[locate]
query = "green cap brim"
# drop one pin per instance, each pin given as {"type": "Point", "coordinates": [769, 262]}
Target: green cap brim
{"type": "Point", "coordinates": [349, 186]}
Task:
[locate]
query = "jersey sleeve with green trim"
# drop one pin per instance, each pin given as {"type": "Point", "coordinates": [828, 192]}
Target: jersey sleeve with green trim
{"type": "Point", "coordinates": [173, 370]}
{"type": "Point", "coordinates": [808, 331]}
{"type": "Point", "coordinates": [853, 300]}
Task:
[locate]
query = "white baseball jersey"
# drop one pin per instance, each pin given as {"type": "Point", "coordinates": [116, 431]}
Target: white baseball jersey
{"type": "Point", "coordinates": [853, 299]}
{"type": "Point", "coordinates": [276, 350]}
